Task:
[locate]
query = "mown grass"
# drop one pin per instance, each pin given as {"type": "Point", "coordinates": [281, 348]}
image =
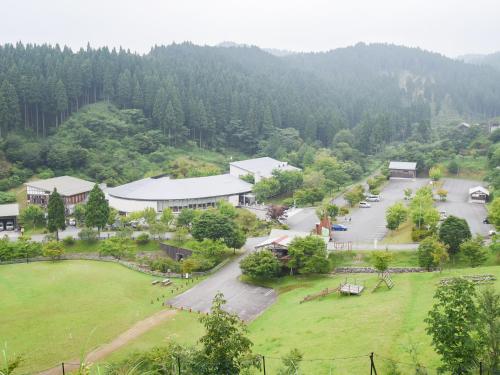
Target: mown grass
{"type": "Point", "coordinates": [387, 322]}
{"type": "Point", "coordinates": [80, 246]}
{"type": "Point", "coordinates": [400, 235]}
{"type": "Point", "coordinates": [51, 312]}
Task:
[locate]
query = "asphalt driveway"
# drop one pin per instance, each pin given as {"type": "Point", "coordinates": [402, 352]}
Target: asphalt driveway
{"type": "Point", "coordinates": [368, 224]}
{"type": "Point", "coordinates": [246, 300]}
{"type": "Point", "coordinates": [457, 204]}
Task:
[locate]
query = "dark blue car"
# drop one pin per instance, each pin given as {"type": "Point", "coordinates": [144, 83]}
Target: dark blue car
{"type": "Point", "coordinates": [339, 227]}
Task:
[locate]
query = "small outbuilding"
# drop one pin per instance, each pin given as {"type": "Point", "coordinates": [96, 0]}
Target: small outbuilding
{"type": "Point", "coordinates": [478, 194]}
{"type": "Point", "coordinates": [402, 169]}
{"type": "Point", "coordinates": [8, 215]}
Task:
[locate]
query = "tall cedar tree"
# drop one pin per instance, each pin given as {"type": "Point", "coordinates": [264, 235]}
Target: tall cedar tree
{"type": "Point", "coordinates": [55, 214]}
{"type": "Point", "coordinates": [97, 209]}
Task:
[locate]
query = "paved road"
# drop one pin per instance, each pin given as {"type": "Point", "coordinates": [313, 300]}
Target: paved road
{"type": "Point", "coordinates": [368, 224]}
{"type": "Point", "coordinates": [457, 204]}
{"type": "Point", "coordinates": [302, 219]}
{"type": "Point", "coordinates": [248, 301]}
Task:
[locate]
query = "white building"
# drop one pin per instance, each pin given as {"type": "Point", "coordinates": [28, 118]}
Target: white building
{"type": "Point", "coordinates": [478, 194]}
{"type": "Point", "coordinates": [259, 168]}
{"type": "Point", "coordinates": [72, 190]}
{"type": "Point", "coordinates": [162, 192]}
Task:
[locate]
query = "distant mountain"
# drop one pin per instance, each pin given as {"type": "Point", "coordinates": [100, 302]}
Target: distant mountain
{"type": "Point", "coordinates": [273, 51]}
{"type": "Point", "coordinates": [492, 59]}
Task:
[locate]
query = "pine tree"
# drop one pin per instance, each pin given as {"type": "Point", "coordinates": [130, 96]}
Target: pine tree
{"type": "Point", "coordinates": [13, 117]}
{"type": "Point", "coordinates": [124, 89]}
{"type": "Point", "coordinates": [61, 100]}
{"type": "Point", "coordinates": [97, 209]}
{"type": "Point", "coordinates": [55, 214]}
{"type": "Point", "coordinates": [137, 97]}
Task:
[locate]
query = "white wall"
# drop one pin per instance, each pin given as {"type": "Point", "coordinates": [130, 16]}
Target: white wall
{"type": "Point", "coordinates": [128, 205]}
{"type": "Point", "coordinates": [233, 199]}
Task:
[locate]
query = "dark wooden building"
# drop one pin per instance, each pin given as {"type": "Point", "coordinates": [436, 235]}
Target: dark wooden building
{"type": "Point", "coordinates": [402, 169]}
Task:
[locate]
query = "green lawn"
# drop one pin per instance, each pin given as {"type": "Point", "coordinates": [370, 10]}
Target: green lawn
{"type": "Point", "coordinates": [51, 312]}
{"type": "Point", "coordinates": [93, 247]}
{"type": "Point", "coordinates": [401, 235]}
{"type": "Point", "coordinates": [387, 322]}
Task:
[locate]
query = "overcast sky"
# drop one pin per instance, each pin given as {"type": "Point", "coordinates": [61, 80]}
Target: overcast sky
{"type": "Point", "coordinates": [452, 27]}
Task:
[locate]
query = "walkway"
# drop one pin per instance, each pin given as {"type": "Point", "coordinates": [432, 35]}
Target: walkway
{"type": "Point", "coordinates": [103, 351]}
{"type": "Point", "coordinates": [246, 300]}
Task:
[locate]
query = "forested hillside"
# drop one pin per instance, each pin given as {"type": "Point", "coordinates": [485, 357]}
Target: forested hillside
{"type": "Point", "coordinates": [236, 98]}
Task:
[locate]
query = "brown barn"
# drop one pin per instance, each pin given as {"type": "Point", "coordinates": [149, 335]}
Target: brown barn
{"type": "Point", "coordinates": [402, 169]}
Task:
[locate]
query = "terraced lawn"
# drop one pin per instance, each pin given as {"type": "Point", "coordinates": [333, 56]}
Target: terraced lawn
{"type": "Point", "coordinates": [50, 312]}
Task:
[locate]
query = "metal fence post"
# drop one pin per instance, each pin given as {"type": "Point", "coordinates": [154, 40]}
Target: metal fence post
{"type": "Point", "coordinates": [264, 364]}
{"type": "Point", "coordinates": [480, 368]}
{"type": "Point", "coordinates": [179, 365]}
{"type": "Point", "coordinates": [373, 370]}
{"type": "Point", "coordinates": [62, 365]}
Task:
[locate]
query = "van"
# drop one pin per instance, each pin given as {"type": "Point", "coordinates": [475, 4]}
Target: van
{"type": "Point", "coordinates": [9, 225]}
{"type": "Point", "coordinates": [1, 226]}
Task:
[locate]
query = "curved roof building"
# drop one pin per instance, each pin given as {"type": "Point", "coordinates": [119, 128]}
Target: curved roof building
{"type": "Point", "coordinates": [162, 192]}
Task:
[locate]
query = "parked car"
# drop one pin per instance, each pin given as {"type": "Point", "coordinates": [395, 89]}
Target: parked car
{"type": "Point", "coordinates": [9, 225]}
{"type": "Point", "coordinates": [1, 227]}
{"type": "Point", "coordinates": [373, 198]}
{"type": "Point", "coordinates": [486, 220]}
{"type": "Point", "coordinates": [339, 227]}
{"type": "Point", "coordinates": [443, 215]}
{"type": "Point", "coordinates": [492, 232]}
{"type": "Point", "coordinates": [364, 204]}
{"type": "Point", "coordinates": [72, 222]}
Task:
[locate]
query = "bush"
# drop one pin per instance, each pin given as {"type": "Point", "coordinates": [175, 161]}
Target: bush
{"type": "Point", "coordinates": [453, 232]}
{"type": "Point", "coordinates": [343, 211]}
{"type": "Point", "coordinates": [6, 197]}
{"type": "Point", "coordinates": [418, 235]}
{"type": "Point", "coordinates": [431, 253]}
{"type": "Point", "coordinates": [88, 235]}
{"type": "Point", "coordinates": [381, 260]}
{"type": "Point", "coordinates": [163, 264]}
{"type": "Point", "coordinates": [142, 239]}
{"type": "Point", "coordinates": [260, 265]}
{"type": "Point", "coordinates": [53, 250]}
{"type": "Point", "coordinates": [68, 241]}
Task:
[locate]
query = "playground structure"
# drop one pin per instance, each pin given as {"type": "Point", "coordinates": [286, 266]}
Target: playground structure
{"type": "Point", "coordinates": [385, 277]}
{"type": "Point", "coordinates": [343, 288]}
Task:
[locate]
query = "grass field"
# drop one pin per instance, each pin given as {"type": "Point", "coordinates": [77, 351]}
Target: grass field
{"type": "Point", "coordinates": [93, 247]}
{"type": "Point", "coordinates": [50, 312]}
{"type": "Point", "coordinates": [387, 322]}
{"type": "Point", "coordinates": [401, 235]}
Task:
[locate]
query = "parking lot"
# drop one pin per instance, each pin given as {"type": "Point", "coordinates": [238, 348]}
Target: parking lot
{"type": "Point", "coordinates": [368, 224]}
{"type": "Point", "coordinates": [457, 204]}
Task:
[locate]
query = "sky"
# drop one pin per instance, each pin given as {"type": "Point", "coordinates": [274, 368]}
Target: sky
{"type": "Point", "coordinates": [451, 27]}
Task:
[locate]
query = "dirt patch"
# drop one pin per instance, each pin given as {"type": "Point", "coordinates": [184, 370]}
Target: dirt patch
{"type": "Point", "coordinates": [103, 351]}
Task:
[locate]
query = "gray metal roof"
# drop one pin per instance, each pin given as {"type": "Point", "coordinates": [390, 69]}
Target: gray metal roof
{"type": "Point", "coordinates": [65, 185]}
{"type": "Point", "coordinates": [263, 166]}
{"type": "Point", "coordinates": [479, 189]}
{"type": "Point", "coordinates": [165, 188]}
{"type": "Point", "coordinates": [402, 165]}
{"type": "Point", "coordinates": [11, 209]}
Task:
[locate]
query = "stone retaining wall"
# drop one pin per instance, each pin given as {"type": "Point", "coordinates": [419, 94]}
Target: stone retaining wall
{"type": "Point", "coordinates": [373, 270]}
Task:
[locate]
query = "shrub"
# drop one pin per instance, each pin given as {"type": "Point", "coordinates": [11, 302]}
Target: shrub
{"type": "Point", "coordinates": [88, 235]}
{"type": "Point", "coordinates": [343, 211]}
{"type": "Point", "coordinates": [142, 239]}
{"type": "Point", "coordinates": [381, 260]}
{"type": "Point", "coordinates": [53, 250]}
{"type": "Point", "coordinates": [453, 232]}
{"type": "Point", "coordinates": [431, 253]}
{"type": "Point", "coordinates": [261, 264]}
{"type": "Point", "coordinates": [68, 241]}
{"type": "Point", "coordinates": [6, 197]}
{"type": "Point", "coordinates": [418, 235]}
{"type": "Point", "coordinates": [474, 251]}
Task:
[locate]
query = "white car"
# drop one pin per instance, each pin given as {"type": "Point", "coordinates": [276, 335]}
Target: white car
{"type": "Point", "coordinates": [72, 222]}
{"type": "Point", "coordinates": [9, 225]}
{"type": "Point", "coordinates": [442, 215]}
{"type": "Point", "coordinates": [373, 198]}
{"type": "Point", "coordinates": [364, 205]}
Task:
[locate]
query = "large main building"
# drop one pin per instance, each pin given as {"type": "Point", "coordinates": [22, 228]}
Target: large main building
{"type": "Point", "coordinates": [198, 192]}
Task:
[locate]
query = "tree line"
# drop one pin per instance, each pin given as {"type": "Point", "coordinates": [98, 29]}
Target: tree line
{"type": "Point", "coordinates": [237, 97]}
